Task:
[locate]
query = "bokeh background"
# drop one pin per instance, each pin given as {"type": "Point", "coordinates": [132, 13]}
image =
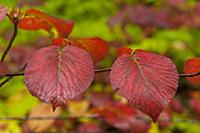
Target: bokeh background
{"type": "Point", "coordinates": [167, 27]}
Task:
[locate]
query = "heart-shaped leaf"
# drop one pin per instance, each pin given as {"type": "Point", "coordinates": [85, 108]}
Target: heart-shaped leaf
{"type": "Point", "coordinates": [149, 81]}
{"type": "Point", "coordinates": [192, 66]}
{"type": "Point", "coordinates": [56, 74]}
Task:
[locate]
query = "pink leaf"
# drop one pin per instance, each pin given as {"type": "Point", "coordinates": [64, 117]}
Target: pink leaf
{"type": "Point", "coordinates": [56, 74]}
{"type": "Point", "coordinates": [3, 12]}
{"type": "Point", "coordinates": [149, 81]}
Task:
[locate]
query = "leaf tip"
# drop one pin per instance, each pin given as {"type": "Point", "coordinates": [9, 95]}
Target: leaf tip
{"type": "Point", "coordinates": [53, 108]}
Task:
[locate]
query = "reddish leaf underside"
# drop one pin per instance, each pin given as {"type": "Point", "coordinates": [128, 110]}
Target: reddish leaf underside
{"type": "Point", "coordinates": [33, 23]}
{"type": "Point", "coordinates": [35, 20]}
{"type": "Point", "coordinates": [64, 27]}
{"type": "Point", "coordinates": [97, 47]}
{"type": "Point", "coordinates": [149, 81]}
{"type": "Point", "coordinates": [192, 66]}
{"type": "Point", "coordinates": [55, 74]}
{"type": "Point", "coordinates": [124, 50]}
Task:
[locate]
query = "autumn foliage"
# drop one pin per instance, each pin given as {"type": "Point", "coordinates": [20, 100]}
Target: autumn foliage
{"type": "Point", "coordinates": [66, 68]}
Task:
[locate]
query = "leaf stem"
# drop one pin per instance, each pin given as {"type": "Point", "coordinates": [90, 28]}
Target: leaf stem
{"type": "Point", "coordinates": [189, 75]}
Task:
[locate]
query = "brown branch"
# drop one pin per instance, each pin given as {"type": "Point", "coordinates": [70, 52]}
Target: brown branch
{"type": "Point", "coordinates": [180, 75]}
{"type": "Point", "coordinates": [22, 74]}
{"type": "Point", "coordinates": [45, 118]}
{"type": "Point", "coordinates": [102, 70]}
{"type": "Point", "coordinates": [14, 74]}
{"type": "Point", "coordinates": [189, 75]}
{"type": "Point", "coordinates": [5, 81]}
{"type": "Point", "coordinates": [15, 21]}
{"type": "Point", "coordinates": [10, 76]}
{"type": "Point", "coordinates": [90, 117]}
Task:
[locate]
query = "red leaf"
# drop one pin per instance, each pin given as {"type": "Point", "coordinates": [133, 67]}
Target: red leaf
{"type": "Point", "coordinates": [192, 66]}
{"type": "Point", "coordinates": [89, 128]}
{"type": "Point", "coordinates": [100, 99]}
{"type": "Point", "coordinates": [33, 23]}
{"type": "Point", "coordinates": [3, 69]}
{"type": "Point", "coordinates": [35, 20]}
{"type": "Point", "coordinates": [63, 27]}
{"type": "Point", "coordinates": [21, 54]}
{"type": "Point", "coordinates": [195, 106]}
{"type": "Point", "coordinates": [139, 126]}
{"type": "Point", "coordinates": [56, 74]}
{"type": "Point", "coordinates": [117, 114]}
{"type": "Point", "coordinates": [97, 47]}
{"type": "Point", "coordinates": [165, 119]}
{"type": "Point", "coordinates": [124, 50]}
{"type": "Point", "coordinates": [149, 81]}
{"type": "Point", "coordinates": [61, 41]}
{"type": "Point", "coordinates": [3, 12]}
{"type": "Point", "coordinates": [176, 106]}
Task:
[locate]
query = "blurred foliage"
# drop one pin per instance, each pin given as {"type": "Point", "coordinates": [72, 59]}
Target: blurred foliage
{"type": "Point", "coordinates": [91, 19]}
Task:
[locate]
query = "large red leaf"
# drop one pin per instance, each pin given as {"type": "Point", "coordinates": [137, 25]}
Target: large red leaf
{"type": "Point", "coordinates": [56, 74]}
{"type": "Point", "coordinates": [97, 47]}
{"type": "Point", "coordinates": [192, 66]}
{"type": "Point", "coordinates": [35, 20]}
{"type": "Point", "coordinates": [33, 23]}
{"type": "Point", "coordinates": [64, 27]}
{"type": "Point", "coordinates": [149, 81]}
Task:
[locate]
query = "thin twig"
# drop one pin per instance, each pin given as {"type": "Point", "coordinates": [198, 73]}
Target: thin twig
{"type": "Point", "coordinates": [189, 75]}
{"type": "Point", "coordinates": [45, 118]}
{"type": "Point", "coordinates": [192, 121]}
{"type": "Point", "coordinates": [10, 76]}
{"type": "Point", "coordinates": [22, 74]}
{"type": "Point", "coordinates": [5, 81]}
{"type": "Point", "coordinates": [15, 21]}
{"type": "Point", "coordinates": [102, 70]}
{"type": "Point", "coordinates": [14, 74]}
